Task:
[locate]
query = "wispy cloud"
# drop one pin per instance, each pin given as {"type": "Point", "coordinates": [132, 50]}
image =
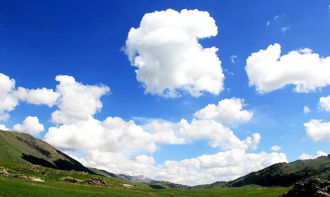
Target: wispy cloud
{"type": "Point", "coordinates": [268, 23]}
{"type": "Point", "coordinates": [276, 17]}
{"type": "Point", "coordinates": [306, 109]}
{"type": "Point", "coordinates": [233, 58]}
{"type": "Point", "coordinates": [285, 29]}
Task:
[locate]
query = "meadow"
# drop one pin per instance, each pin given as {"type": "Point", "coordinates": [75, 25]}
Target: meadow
{"type": "Point", "coordinates": [51, 188]}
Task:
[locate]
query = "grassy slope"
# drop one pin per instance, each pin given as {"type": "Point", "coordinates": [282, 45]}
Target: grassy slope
{"type": "Point", "coordinates": [21, 149]}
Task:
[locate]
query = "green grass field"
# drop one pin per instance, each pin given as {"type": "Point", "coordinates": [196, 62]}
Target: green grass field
{"type": "Point", "coordinates": [10, 187]}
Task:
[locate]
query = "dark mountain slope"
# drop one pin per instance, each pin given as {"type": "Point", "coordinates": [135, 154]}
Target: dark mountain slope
{"type": "Point", "coordinates": [19, 149]}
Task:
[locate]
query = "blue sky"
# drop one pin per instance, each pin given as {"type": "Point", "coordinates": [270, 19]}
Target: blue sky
{"type": "Point", "coordinates": [86, 40]}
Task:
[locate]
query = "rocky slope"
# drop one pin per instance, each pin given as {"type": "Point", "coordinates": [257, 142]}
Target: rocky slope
{"type": "Point", "coordinates": [311, 188]}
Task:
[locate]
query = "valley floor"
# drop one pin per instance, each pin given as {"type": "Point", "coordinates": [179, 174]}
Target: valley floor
{"type": "Point", "coordinates": [10, 187]}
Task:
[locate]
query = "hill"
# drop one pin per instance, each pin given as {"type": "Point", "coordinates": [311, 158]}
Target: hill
{"type": "Point", "coordinates": [283, 174]}
{"type": "Point", "coordinates": [19, 149]}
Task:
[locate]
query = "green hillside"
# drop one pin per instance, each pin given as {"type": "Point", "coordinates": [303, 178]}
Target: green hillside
{"type": "Point", "coordinates": [19, 149]}
{"type": "Point", "coordinates": [284, 174]}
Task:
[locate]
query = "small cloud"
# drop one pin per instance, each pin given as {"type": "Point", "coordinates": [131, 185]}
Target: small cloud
{"type": "Point", "coordinates": [227, 72]}
{"type": "Point", "coordinates": [268, 23]}
{"type": "Point", "coordinates": [324, 103]}
{"type": "Point", "coordinates": [144, 120]}
{"type": "Point", "coordinates": [306, 109]}
{"type": "Point", "coordinates": [4, 117]}
{"type": "Point", "coordinates": [275, 148]}
{"type": "Point", "coordinates": [233, 59]}
{"type": "Point", "coordinates": [285, 29]}
{"type": "Point", "coordinates": [305, 51]}
{"type": "Point", "coordinates": [3, 127]}
{"type": "Point", "coordinates": [276, 17]}
{"type": "Point", "coordinates": [305, 156]}
{"type": "Point", "coordinates": [30, 125]}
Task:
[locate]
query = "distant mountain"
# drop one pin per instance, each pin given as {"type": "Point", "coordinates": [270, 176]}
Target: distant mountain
{"type": "Point", "coordinates": [19, 149]}
{"type": "Point", "coordinates": [140, 179]}
{"type": "Point", "coordinates": [166, 185]}
{"type": "Point", "coordinates": [134, 179]}
{"type": "Point", "coordinates": [283, 174]}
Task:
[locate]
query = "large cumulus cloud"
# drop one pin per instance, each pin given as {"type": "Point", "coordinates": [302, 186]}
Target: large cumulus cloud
{"type": "Point", "coordinates": [168, 57]}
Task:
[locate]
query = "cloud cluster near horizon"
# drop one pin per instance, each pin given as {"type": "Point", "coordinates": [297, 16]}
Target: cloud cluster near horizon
{"type": "Point", "coordinates": [123, 146]}
{"type": "Point", "coordinates": [111, 142]}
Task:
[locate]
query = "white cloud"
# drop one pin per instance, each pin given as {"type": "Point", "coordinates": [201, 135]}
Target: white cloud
{"type": "Point", "coordinates": [233, 58]}
{"type": "Point", "coordinates": [4, 116]}
{"type": "Point", "coordinates": [275, 148]}
{"type": "Point", "coordinates": [285, 29]}
{"type": "Point", "coordinates": [169, 59]}
{"type": "Point", "coordinates": [200, 170]}
{"type": "Point", "coordinates": [77, 101]}
{"type": "Point", "coordinates": [324, 103]}
{"type": "Point", "coordinates": [3, 127]}
{"type": "Point", "coordinates": [306, 109]}
{"type": "Point", "coordinates": [116, 135]}
{"type": "Point", "coordinates": [317, 130]}
{"type": "Point", "coordinates": [228, 111]}
{"type": "Point", "coordinates": [30, 125]}
{"type": "Point", "coordinates": [305, 156]}
{"type": "Point", "coordinates": [268, 23]}
{"type": "Point", "coordinates": [218, 135]}
{"type": "Point", "coordinates": [113, 135]}
{"type": "Point", "coordinates": [77, 125]}
{"type": "Point", "coordinates": [7, 97]}
{"type": "Point", "coordinates": [40, 96]}
{"type": "Point", "coordinates": [209, 124]}
{"type": "Point", "coordinates": [10, 96]}
{"type": "Point", "coordinates": [267, 70]}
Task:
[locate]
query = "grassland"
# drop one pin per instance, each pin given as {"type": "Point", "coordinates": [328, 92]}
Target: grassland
{"type": "Point", "coordinates": [10, 187]}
